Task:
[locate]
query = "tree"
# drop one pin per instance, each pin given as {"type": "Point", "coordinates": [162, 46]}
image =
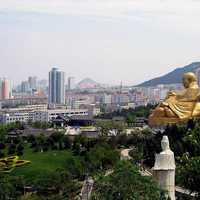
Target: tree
{"type": "Point", "coordinates": [57, 140]}
{"type": "Point", "coordinates": [2, 147]}
{"type": "Point", "coordinates": [32, 197]}
{"type": "Point", "coordinates": [130, 118]}
{"type": "Point", "coordinates": [2, 154]}
{"type": "Point", "coordinates": [101, 157]}
{"type": "Point", "coordinates": [136, 155]}
{"type": "Point", "coordinates": [75, 167]}
{"type": "Point", "coordinates": [106, 125]}
{"type": "Point", "coordinates": [57, 185]}
{"type": "Point", "coordinates": [67, 142]}
{"type": "Point", "coordinates": [192, 140]}
{"type": "Point", "coordinates": [11, 149]}
{"type": "Point", "coordinates": [7, 188]}
{"type": "Point", "coordinates": [41, 125]}
{"type": "Point", "coordinates": [188, 173]}
{"type": "Point", "coordinates": [125, 183]}
{"type": "Point", "coordinates": [80, 145]}
{"type": "Point", "coordinates": [31, 138]}
{"type": "Point", "coordinates": [41, 139]}
{"type": "Point", "coordinates": [20, 149]}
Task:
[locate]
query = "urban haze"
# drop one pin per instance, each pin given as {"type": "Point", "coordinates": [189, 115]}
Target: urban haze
{"type": "Point", "coordinates": [108, 41]}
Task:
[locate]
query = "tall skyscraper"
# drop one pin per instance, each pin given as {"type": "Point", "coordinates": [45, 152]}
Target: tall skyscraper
{"type": "Point", "coordinates": [56, 87]}
{"type": "Point", "coordinates": [71, 83]}
{"type": "Point", "coordinates": [5, 89]}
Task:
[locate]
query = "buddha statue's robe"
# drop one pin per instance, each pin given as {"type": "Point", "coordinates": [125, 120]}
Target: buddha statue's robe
{"type": "Point", "coordinates": [185, 105]}
{"type": "Point", "coordinates": [179, 107]}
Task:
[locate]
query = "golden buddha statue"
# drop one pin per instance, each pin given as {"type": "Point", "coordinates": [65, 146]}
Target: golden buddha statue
{"type": "Point", "coordinates": [180, 106]}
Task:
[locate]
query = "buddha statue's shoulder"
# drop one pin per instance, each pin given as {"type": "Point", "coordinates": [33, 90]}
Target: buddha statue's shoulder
{"type": "Point", "coordinates": [167, 152]}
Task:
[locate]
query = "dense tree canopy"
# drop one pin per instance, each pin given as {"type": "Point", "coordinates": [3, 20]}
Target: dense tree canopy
{"type": "Point", "coordinates": [188, 173]}
{"type": "Point", "coordinates": [125, 183]}
{"type": "Point", "coordinates": [130, 114]}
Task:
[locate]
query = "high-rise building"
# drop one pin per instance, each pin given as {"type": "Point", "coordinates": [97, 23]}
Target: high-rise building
{"type": "Point", "coordinates": [25, 87]}
{"type": "Point", "coordinates": [32, 80]}
{"type": "Point", "coordinates": [42, 84]}
{"type": "Point", "coordinates": [71, 83]}
{"type": "Point", "coordinates": [56, 87]}
{"type": "Point", "coordinates": [5, 89]}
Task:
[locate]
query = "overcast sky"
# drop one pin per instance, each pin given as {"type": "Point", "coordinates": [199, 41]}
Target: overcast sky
{"type": "Point", "coordinates": [107, 40]}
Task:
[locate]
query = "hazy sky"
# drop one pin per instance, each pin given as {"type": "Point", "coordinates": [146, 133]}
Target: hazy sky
{"type": "Point", "coordinates": [107, 40]}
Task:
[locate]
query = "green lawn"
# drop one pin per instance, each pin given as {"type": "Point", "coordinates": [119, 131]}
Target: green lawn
{"type": "Point", "coordinates": [41, 163]}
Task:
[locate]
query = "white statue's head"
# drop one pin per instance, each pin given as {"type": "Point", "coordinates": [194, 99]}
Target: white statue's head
{"type": "Point", "coordinates": [165, 143]}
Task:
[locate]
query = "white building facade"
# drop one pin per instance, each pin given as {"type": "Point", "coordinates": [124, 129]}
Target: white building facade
{"type": "Point", "coordinates": [47, 115]}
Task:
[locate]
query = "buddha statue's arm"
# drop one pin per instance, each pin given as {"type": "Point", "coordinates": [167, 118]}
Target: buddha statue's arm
{"type": "Point", "coordinates": [198, 97]}
{"type": "Point", "coordinates": [172, 96]}
{"type": "Point", "coordinates": [182, 95]}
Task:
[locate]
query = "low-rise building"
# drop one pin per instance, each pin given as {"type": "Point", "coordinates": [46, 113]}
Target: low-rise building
{"type": "Point", "coordinates": [49, 115]}
{"type": "Point", "coordinates": [34, 114]}
{"type": "Point", "coordinates": [22, 117]}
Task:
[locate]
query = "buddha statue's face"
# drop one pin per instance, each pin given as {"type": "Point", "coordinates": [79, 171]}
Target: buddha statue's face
{"type": "Point", "coordinates": [186, 82]}
{"type": "Point", "coordinates": [165, 143]}
{"type": "Point", "coordinates": [188, 79]}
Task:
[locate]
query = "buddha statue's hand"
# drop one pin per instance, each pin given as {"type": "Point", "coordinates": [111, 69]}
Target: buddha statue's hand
{"type": "Point", "coordinates": [171, 94]}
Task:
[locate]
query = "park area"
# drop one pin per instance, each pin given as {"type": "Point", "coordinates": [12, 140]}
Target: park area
{"type": "Point", "coordinates": [57, 166]}
{"type": "Point", "coordinates": [41, 163]}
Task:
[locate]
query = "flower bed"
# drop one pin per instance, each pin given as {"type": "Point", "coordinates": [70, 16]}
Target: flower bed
{"type": "Point", "coordinates": [9, 163]}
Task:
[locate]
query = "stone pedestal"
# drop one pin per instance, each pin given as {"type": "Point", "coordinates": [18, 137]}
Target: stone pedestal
{"type": "Point", "coordinates": [164, 169]}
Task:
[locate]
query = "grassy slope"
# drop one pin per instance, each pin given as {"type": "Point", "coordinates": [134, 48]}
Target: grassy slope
{"type": "Point", "coordinates": [41, 163]}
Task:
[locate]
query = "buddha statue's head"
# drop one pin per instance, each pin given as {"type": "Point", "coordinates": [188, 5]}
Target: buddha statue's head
{"type": "Point", "coordinates": [189, 79]}
{"type": "Point", "coordinates": [165, 143]}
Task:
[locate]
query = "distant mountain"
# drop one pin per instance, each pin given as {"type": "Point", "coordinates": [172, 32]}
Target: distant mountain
{"type": "Point", "coordinates": [172, 77]}
{"type": "Point", "coordinates": [88, 83]}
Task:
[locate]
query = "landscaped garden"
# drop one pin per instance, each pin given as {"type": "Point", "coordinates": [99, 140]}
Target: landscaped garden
{"type": "Point", "coordinates": [41, 163]}
{"type": "Point", "coordinates": [58, 165]}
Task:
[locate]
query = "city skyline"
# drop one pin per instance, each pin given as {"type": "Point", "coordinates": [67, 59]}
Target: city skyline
{"type": "Point", "coordinates": [107, 41]}
{"type": "Point", "coordinates": [72, 84]}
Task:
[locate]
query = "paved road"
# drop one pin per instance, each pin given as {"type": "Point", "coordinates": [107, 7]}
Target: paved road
{"type": "Point", "coordinates": [87, 189]}
{"type": "Point", "coordinates": [185, 191]}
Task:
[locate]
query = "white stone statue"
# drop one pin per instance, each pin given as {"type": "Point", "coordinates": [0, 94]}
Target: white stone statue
{"type": "Point", "coordinates": [165, 160]}
{"type": "Point", "coordinates": [165, 146]}
{"type": "Point", "coordinates": [164, 168]}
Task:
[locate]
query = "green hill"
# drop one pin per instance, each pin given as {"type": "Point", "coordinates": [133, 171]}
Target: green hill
{"type": "Point", "coordinates": [172, 77]}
